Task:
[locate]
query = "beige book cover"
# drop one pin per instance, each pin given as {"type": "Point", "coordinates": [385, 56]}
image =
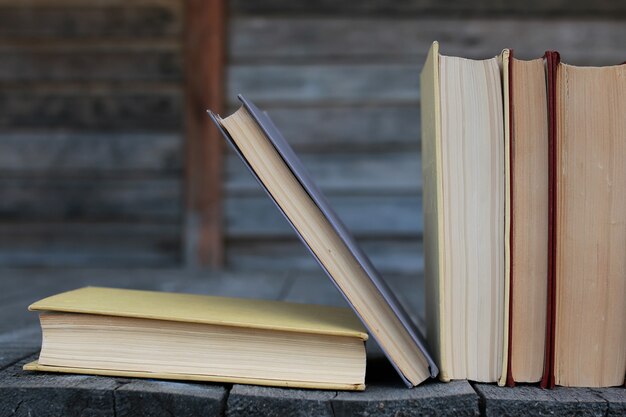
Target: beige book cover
{"type": "Point", "coordinates": [192, 308]}
{"type": "Point", "coordinates": [316, 326]}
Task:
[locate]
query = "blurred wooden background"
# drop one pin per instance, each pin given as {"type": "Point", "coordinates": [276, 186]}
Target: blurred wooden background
{"type": "Point", "coordinates": [92, 110]}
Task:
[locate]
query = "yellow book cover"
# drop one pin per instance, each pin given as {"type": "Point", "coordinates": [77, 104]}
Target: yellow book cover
{"type": "Point", "coordinates": [192, 308]}
{"type": "Point", "coordinates": [257, 330]}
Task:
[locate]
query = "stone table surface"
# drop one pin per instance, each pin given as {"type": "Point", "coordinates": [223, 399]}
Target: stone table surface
{"type": "Point", "coordinates": [25, 393]}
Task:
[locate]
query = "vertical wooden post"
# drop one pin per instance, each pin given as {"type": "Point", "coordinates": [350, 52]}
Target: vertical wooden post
{"type": "Point", "coordinates": [205, 59]}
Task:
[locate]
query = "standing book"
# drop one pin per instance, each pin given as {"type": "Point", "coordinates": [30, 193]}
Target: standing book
{"type": "Point", "coordinates": [463, 163]}
{"type": "Point", "coordinates": [568, 223]}
{"type": "Point", "coordinates": [588, 344]}
{"type": "Point", "coordinates": [525, 219]}
{"type": "Point", "coordinates": [528, 222]}
{"type": "Point", "coordinates": [271, 160]}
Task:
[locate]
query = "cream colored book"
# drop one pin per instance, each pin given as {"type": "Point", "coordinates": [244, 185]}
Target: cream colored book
{"type": "Point", "coordinates": [465, 201]}
{"type": "Point", "coordinates": [146, 334]}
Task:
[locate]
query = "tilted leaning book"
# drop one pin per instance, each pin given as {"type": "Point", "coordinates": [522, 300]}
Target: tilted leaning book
{"type": "Point", "coordinates": [271, 160]}
{"type": "Point", "coordinates": [148, 334]}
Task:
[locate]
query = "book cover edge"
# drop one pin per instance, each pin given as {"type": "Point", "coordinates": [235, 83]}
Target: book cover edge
{"type": "Point", "coordinates": [272, 134]}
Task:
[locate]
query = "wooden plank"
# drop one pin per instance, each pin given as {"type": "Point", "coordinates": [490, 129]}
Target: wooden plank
{"type": "Point", "coordinates": [403, 8]}
{"type": "Point", "coordinates": [24, 64]}
{"type": "Point", "coordinates": [171, 398]}
{"type": "Point", "coordinates": [272, 85]}
{"type": "Point", "coordinates": [384, 396]}
{"type": "Point", "coordinates": [349, 128]}
{"type": "Point", "coordinates": [67, 153]}
{"type": "Point", "coordinates": [528, 400]}
{"type": "Point", "coordinates": [227, 283]}
{"type": "Point", "coordinates": [41, 199]}
{"type": "Point", "coordinates": [364, 215]}
{"type": "Point", "coordinates": [205, 43]}
{"type": "Point", "coordinates": [8, 356]}
{"type": "Point", "coordinates": [323, 39]}
{"type": "Point", "coordinates": [51, 21]}
{"type": "Point", "coordinates": [39, 393]}
{"type": "Point", "coordinates": [95, 4]}
{"type": "Point", "coordinates": [89, 244]}
{"type": "Point", "coordinates": [616, 398]}
{"type": "Point", "coordinates": [387, 396]}
{"type": "Point", "coordinates": [122, 109]}
{"type": "Point", "coordinates": [374, 173]}
{"type": "Point", "coordinates": [390, 256]}
{"type": "Point", "coordinates": [252, 401]}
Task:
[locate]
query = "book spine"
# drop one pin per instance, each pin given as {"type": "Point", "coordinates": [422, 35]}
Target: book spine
{"type": "Point", "coordinates": [510, 381]}
{"type": "Point", "coordinates": [552, 61]}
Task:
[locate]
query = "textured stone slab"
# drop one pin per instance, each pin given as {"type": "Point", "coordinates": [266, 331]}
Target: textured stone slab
{"type": "Point", "coordinates": [616, 398]}
{"type": "Point", "coordinates": [534, 401]}
{"type": "Point", "coordinates": [249, 400]}
{"type": "Point", "coordinates": [430, 399]}
{"type": "Point", "coordinates": [165, 398]}
{"type": "Point", "coordinates": [386, 395]}
{"type": "Point", "coordinates": [39, 394]}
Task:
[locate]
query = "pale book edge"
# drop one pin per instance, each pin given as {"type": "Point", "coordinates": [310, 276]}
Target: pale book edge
{"type": "Point", "coordinates": [505, 66]}
{"type": "Point", "coordinates": [36, 366]}
{"type": "Point", "coordinates": [431, 134]}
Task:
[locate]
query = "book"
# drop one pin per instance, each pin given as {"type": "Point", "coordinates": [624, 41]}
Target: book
{"type": "Point", "coordinates": [548, 231]}
{"type": "Point", "coordinates": [577, 310]}
{"type": "Point", "coordinates": [146, 334]}
{"type": "Point", "coordinates": [463, 163]}
{"type": "Point", "coordinates": [589, 215]}
{"type": "Point", "coordinates": [280, 173]}
{"type": "Point", "coordinates": [526, 122]}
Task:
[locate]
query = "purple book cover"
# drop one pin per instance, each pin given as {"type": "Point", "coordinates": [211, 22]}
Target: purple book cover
{"type": "Point", "coordinates": [300, 173]}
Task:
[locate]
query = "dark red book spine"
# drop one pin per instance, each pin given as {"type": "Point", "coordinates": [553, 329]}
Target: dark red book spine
{"type": "Point", "coordinates": [552, 61]}
{"type": "Point", "coordinates": [510, 381]}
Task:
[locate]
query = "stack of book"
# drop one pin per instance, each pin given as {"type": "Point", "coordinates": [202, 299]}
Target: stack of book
{"type": "Point", "coordinates": [524, 166]}
{"type": "Point", "coordinates": [180, 336]}
{"type": "Point", "coordinates": [525, 247]}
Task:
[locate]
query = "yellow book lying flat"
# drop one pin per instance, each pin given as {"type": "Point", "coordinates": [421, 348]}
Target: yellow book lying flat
{"type": "Point", "coordinates": [146, 334]}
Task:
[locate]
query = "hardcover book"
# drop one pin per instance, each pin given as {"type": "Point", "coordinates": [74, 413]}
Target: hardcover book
{"type": "Point", "coordinates": [280, 173]}
{"type": "Point", "coordinates": [146, 334]}
{"type": "Point", "coordinates": [463, 164]}
{"type": "Point", "coordinates": [525, 219]}
{"type": "Point", "coordinates": [588, 183]}
{"type": "Point", "coordinates": [568, 214]}
{"type": "Point", "coordinates": [528, 222]}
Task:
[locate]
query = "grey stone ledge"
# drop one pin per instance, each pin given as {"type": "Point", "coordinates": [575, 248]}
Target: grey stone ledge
{"type": "Point", "coordinates": [40, 394]}
{"type": "Point", "coordinates": [616, 398]}
{"type": "Point", "coordinates": [25, 393]}
{"type": "Point", "coordinates": [524, 400]}
{"type": "Point", "coordinates": [250, 400]}
{"type": "Point", "coordinates": [168, 398]}
{"type": "Point", "coordinates": [429, 399]}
